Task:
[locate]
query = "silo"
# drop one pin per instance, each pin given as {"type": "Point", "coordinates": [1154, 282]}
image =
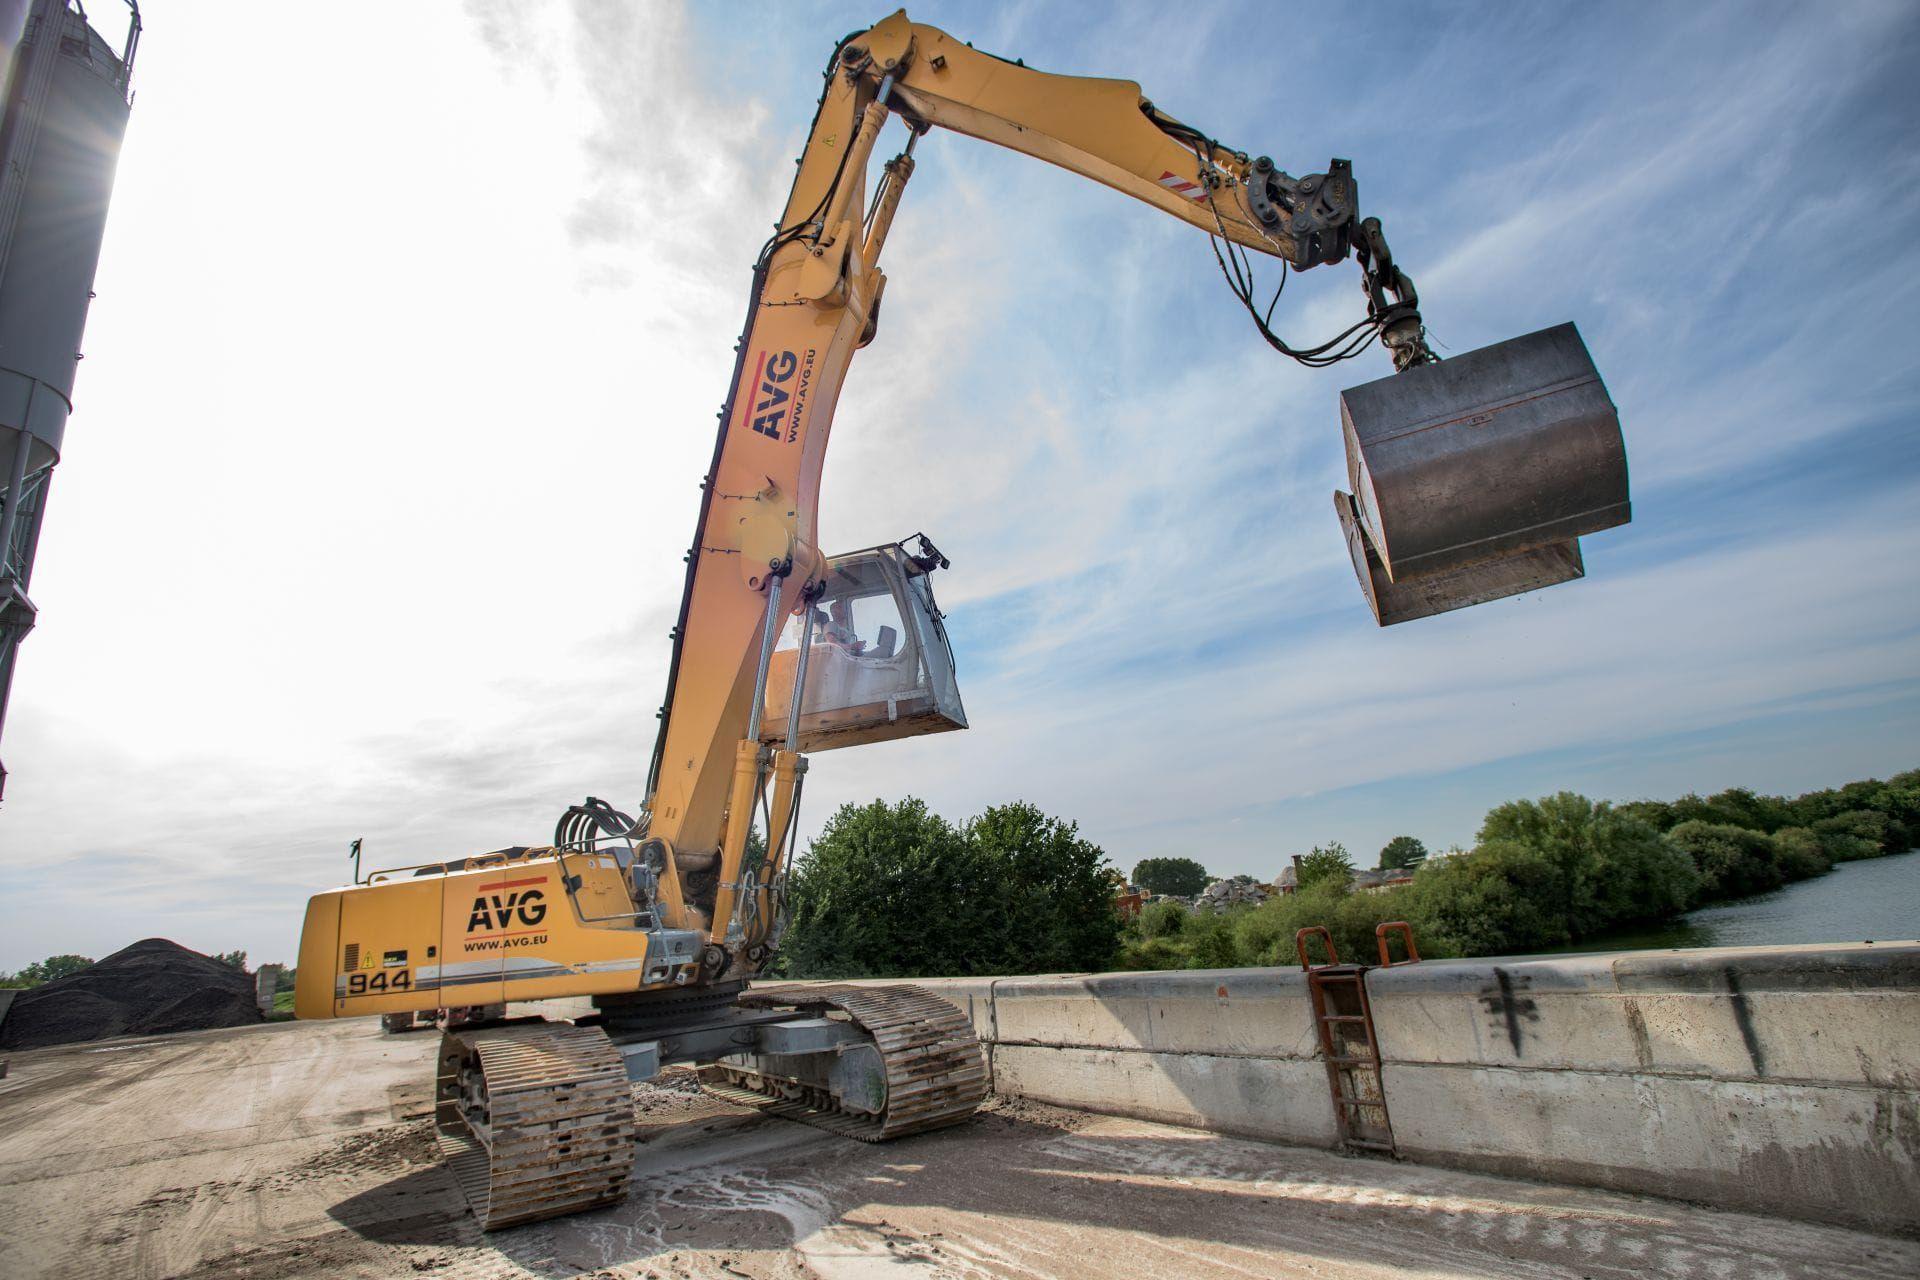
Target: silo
{"type": "Point", "coordinates": [67, 93]}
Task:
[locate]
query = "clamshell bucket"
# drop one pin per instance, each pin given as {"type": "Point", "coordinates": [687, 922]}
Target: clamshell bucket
{"type": "Point", "coordinates": [1474, 477]}
{"type": "Point", "coordinates": [878, 664]}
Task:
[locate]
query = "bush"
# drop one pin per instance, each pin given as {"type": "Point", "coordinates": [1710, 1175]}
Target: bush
{"type": "Point", "coordinates": [1897, 800]}
{"type": "Point", "coordinates": [1499, 899]}
{"type": "Point", "coordinates": [1736, 806]}
{"type": "Point", "coordinates": [1657, 814]}
{"type": "Point", "coordinates": [1209, 940]}
{"type": "Point", "coordinates": [1163, 920]}
{"type": "Point", "coordinates": [1800, 853]}
{"type": "Point", "coordinates": [1868, 825]}
{"type": "Point", "coordinates": [1733, 861]}
{"type": "Point", "coordinates": [1646, 877]}
{"type": "Point", "coordinates": [1264, 935]}
{"type": "Point", "coordinates": [1739, 807]}
{"type": "Point", "coordinates": [1614, 868]}
{"type": "Point", "coordinates": [1151, 953]}
{"type": "Point", "coordinates": [1840, 847]}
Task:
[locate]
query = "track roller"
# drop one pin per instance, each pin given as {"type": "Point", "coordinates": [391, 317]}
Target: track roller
{"type": "Point", "coordinates": [535, 1120]}
{"type": "Point", "coordinates": [934, 1071]}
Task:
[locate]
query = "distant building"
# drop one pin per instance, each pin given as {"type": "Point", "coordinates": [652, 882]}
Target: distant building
{"type": "Point", "coordinates": [1378, 881]}
{"type": "Point", "coordinates": [1369, 881]}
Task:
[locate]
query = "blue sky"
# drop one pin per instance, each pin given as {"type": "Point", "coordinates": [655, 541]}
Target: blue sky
{"type": "Point", "coordinates": [406, 353]}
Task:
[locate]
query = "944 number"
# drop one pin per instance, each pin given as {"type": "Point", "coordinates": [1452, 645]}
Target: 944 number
{"type": "Point", "coordinates": [370, 984]}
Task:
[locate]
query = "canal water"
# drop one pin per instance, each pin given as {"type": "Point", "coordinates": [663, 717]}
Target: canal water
{"type": "Point", "coordinates": [1877, 900]}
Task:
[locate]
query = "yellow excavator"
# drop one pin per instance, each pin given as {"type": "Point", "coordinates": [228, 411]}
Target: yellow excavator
{"type": "Point", "coordinates": [1469, 479]}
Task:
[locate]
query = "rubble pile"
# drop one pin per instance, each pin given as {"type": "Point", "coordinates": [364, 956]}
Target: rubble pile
{"type": "Point", "coordinates": [154, 987]}
{"type": "Point", "coordinates": [1232, 893]}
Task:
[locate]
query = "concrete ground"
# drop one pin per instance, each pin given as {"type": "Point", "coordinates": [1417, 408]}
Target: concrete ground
{"type": "Point", "coordinates": [297, 1150]}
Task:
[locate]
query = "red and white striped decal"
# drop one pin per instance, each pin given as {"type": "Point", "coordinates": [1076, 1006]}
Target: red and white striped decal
{"type": "Point", "coordinates": [1181, 187]}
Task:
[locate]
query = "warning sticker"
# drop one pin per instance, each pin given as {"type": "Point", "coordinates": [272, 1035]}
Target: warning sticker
{"type": "Point", "coordinates": [1183, 187]}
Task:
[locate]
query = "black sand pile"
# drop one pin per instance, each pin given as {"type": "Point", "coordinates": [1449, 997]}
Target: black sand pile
{"type": "Point", "coordinates": [151, 988]}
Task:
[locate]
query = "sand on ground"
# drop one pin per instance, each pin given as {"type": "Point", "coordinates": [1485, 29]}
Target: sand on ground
{"type": "Point", "coordinates": [306, 1150]}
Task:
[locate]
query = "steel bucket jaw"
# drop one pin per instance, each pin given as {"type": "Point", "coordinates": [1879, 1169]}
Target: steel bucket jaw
{"type": "Point", "coordinates": [1474, 478]}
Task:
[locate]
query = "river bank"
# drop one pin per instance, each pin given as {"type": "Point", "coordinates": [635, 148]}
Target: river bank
{"type": "Point", "coordinates": [1873, 900]}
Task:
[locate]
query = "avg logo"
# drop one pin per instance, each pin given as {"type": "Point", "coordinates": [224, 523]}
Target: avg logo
{"type": "Point", "coordinates": [501, 910]}
{"type": "Point", "coordinates": [769, 407]}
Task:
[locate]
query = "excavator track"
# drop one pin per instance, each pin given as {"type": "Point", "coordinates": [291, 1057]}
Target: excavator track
{"type": "Point", "coordinates": [535, 1120]}
{"type": "Point", "coordinates": [936, 1072]}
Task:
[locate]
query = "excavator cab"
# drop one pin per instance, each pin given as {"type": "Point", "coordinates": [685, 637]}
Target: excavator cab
{"type": "Point", "coordinates": [1476, 477]}
{"type": "Point", "coordinates": [877, 661]}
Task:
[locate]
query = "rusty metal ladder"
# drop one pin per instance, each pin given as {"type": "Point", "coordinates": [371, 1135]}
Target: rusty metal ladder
{"type": "Point", "coordinates": [1343, 1016]}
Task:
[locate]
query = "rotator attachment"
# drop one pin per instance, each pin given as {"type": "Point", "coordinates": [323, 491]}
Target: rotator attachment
{"type": "Point", "coordinates": [1475, 477]}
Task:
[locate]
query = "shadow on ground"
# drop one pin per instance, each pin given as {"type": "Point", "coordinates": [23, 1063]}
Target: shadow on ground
{"type": "Point", "coordinates": [1030, 1189]}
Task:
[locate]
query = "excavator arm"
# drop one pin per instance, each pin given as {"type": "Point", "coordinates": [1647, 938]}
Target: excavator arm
{"type": "Point", "coordinates": [1106, 130]}
{"type": "Point", "coordinates": [817, 287]}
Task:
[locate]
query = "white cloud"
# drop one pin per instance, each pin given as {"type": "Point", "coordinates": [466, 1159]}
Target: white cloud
{"type": "Point", "coordinates": [406, 358]}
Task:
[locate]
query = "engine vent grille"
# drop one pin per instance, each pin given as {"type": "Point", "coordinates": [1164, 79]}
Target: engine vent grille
{"type": "Point", "coordinates": [352, 959]}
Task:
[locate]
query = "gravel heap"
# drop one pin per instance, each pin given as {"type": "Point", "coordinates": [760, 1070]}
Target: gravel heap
{"type": "Point", "coordinates": [1232, 893]}
{"type": "Point", "coordinates": [151, 988]}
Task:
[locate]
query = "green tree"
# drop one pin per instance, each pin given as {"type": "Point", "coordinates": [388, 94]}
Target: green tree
{"type": "Point", "coordinates": [1402, 851]}
{"type": "Point", "coordinates": [886, 891]}
{"type": "Point", "coordinates": [1800, 853]}
{"type": "Point", "coordinates": [1050, 889]}
{"type": "Point", "coordinates": [1867, 825]}
{"type": "Point", "coordinates": [895, 890]}
{"type": "Point", "coordinates": [1329, 863]}
{"type": "Point", "coordinates": [1733, 861]}
{"type": "Point", "coordinates": [1613, 868]}
{"type": "Point", "coordinates": [233, 960]}
{"type": "Point", "coordinates": [1657, 814]}
{"type": "Point", "coordinates": [1741, 807]}
{"type": "Point", "coordinates": [1178, 877]}
{"type": "Point", "coordinates": [45, 971]}
{"type": "Point", "coordinates": [1504, 897]}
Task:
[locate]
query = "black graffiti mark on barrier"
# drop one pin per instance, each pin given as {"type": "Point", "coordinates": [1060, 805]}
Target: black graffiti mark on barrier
{"type": "Point", "coordinates": [1642, 1042]}
{"type": "Point", "coordinates": [1743, 1018]}
{"type": "Point", "coordinates": [1511, 1009]}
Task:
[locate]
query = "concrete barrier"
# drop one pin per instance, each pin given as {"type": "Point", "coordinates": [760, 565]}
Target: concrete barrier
{"type": "Point", "coordinates": [1778, 1080]}
{"type": "Point", "coordinates": [1781, 1080]}
{"type": "Point", "coordinates": [1232, 1050]}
